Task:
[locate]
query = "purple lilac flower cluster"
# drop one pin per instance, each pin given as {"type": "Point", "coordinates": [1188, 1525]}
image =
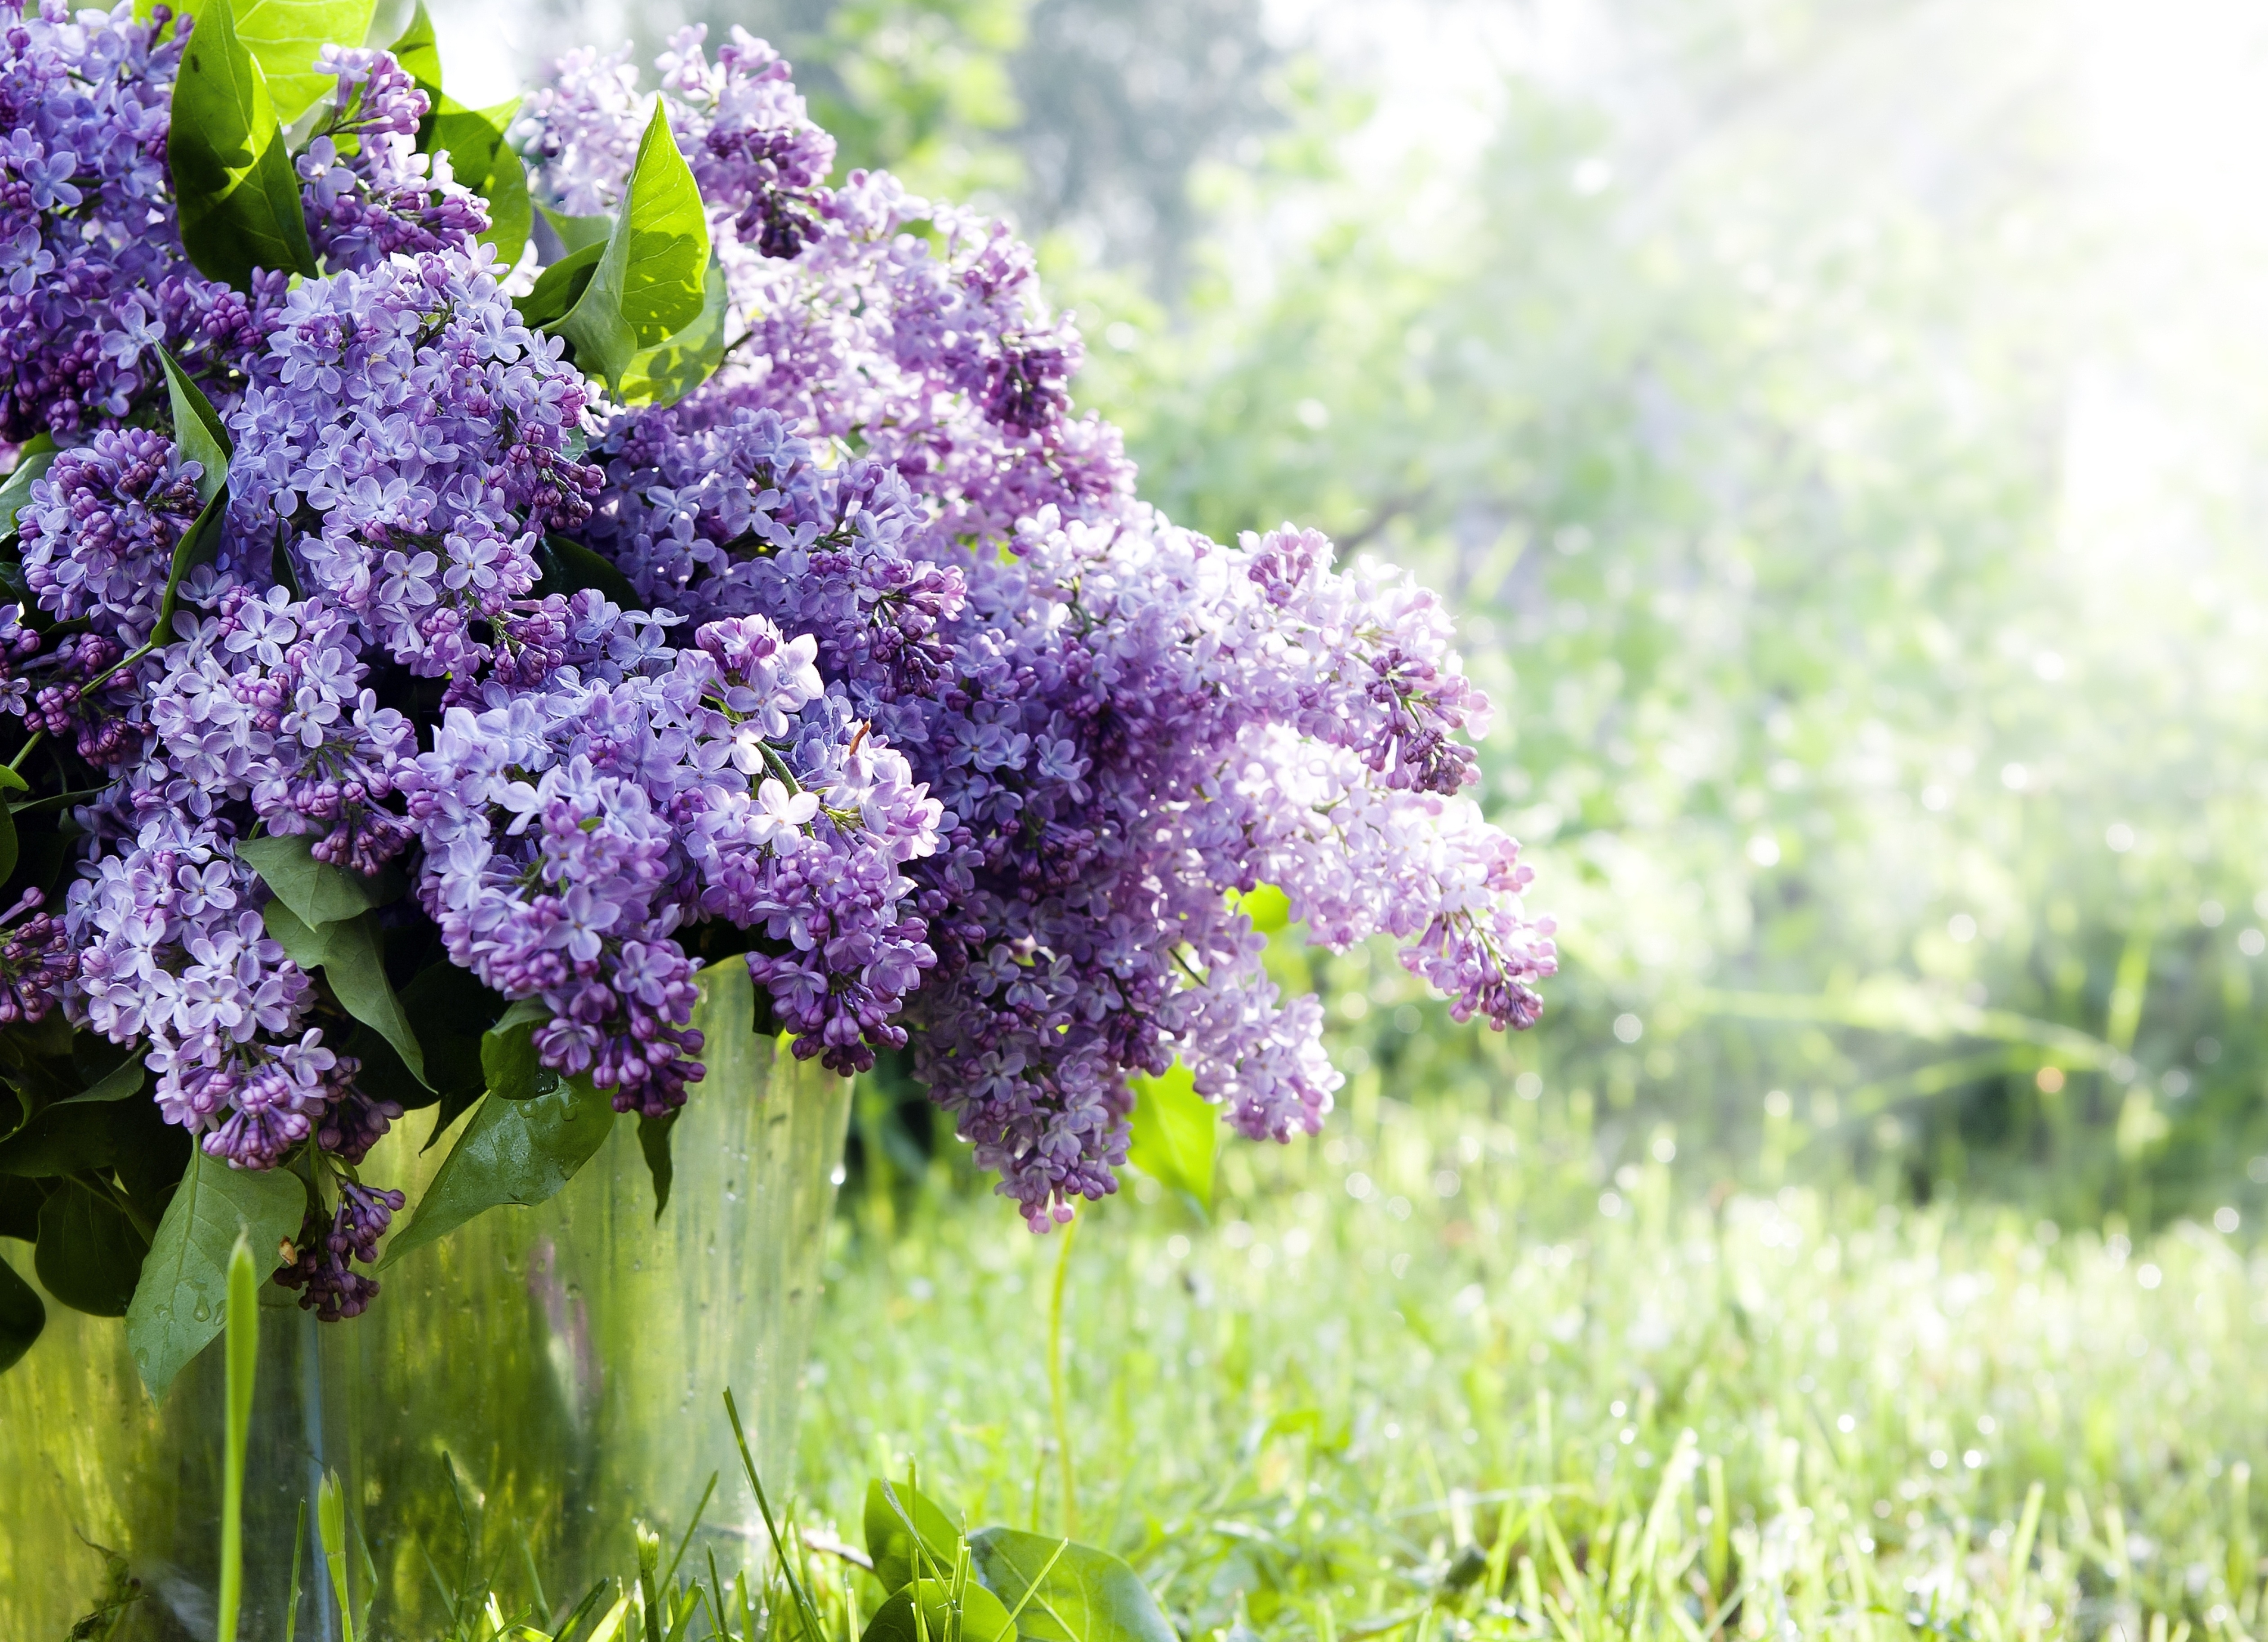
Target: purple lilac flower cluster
{"type": "Point", "coordinates": [36, 961]}
{"type": "Point", "coordinates": [368, 192]}
{"type": "Point", "coordinates": [364, 659]}
{"type": "Point", "coordinates": [404, 444]}
{"type": "Point", "coordinates": [1127, 725]}
{"type": "Point", "coordinates": [925, 718]}
{"type": "Point", "coordinates": [318, 1263]}
{"type": "Point", "coordinates": [572, 831]}
{"type": "Point", "coordinates": [92, 279]}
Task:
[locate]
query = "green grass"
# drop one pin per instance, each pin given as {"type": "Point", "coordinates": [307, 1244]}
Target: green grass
{"type": "Point", "coordinates": [1428, 1376]}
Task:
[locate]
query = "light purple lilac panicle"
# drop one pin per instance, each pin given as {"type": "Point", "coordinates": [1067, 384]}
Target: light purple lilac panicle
{"type": "Point", "coordinates": [1126, 723]}
{"type": "Point", "coordinates": [91, 274]}
{"type": "Point", "coordinates": [404, 444]}
{"type": "Point", "coordinates": [959, 745]}
{"type": "Point", "coordinates": [570, 832]}
{"type": "Point", "coordinates": [368, 192]}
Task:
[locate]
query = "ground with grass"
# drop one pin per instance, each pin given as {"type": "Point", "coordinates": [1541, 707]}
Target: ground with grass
{"type": "Point", "coordinates": [1428, 1374]}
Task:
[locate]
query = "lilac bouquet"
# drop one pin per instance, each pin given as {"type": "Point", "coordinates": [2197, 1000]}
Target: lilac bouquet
{"type": "Point", "coordinates": [474, 573]}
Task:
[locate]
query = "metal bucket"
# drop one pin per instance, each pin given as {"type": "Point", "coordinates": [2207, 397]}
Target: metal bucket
{"type": "Point", "coordinates": [516, 1396]}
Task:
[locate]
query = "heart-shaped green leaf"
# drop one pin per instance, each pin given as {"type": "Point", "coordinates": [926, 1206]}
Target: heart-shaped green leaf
{"type": "Point", "coordinates": [89, 1256]}
{"type": "Point", "coordinates": [182, 1299]}
{"type": "Point", "coordinates": [559, 287]}
{"type": "Point", "coordinates": [352, 957]}
{"type": "Point", "coordinates": [897, 1517]}
{"type": "Point", "coordinates": [121, 1082]}
{"type": "Point", "coordinates": [1176, 1134]}
{"type": "Point", "coordinates": [418, 50]}
{"type": "Point", "coordinates": [317, 892]}
{"type": "Point", "coordinates": [1063, 1592]}
{"type": "Point", "coordinates": [450, 1011]}
{"type": "Point", "coordinates": [286, 36]}
{"type": "Point", "coordinates": [513, 1151]}
{"type": "Point", "coordinates": [508, 1058]}
{"type": "Point", "coordinates": [577, 233]}
{"type": "Point", "coordinates": [512, 213]}
{"type": "Point", "coordinates": [471, 137]}
{"type": "Point", "coordinates": [60, 1139]}
{"type": "Point", "coordinates": [236, 195]}
{"type": "Point", "coordinates": [665, 374]}
{"type": "Point", "coordinates": [197, 430]}
{"type": "Point", "coordinates": [652, 280]}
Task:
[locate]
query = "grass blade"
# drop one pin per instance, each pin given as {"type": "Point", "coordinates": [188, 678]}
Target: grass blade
{"type": "Point", "coordinates": [291, 1601]}
{"type": "Point", "coordinates": [806, 1610]}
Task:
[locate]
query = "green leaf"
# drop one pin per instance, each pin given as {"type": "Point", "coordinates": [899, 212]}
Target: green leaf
{"type": "Point", "coordinates": [151, 1156]}
{"type": "Point", "coordinates": [286, 36]}
{"type": "Point", "coordinates": [21, 1317]}
{"type": "Point", "coordinates": [513, 1151]}
{"type": "Point", "coordinates": [577, 233]}
{"type": "Point", "coordinates": [652, 280]}
{"type": "Point", "coordinates": [1269, 907]}
{"type": "Point", "coordinates": [450, 1011]}
{"type": "Point", "coordinates": [1176, 1134]}
{"type": "Point", "coordinates": [61, 1139]}
{"type": "Point", "coordinates": [471, 137]}
{"type": "Point", "coordinates": [197, 428]}
{"type": "Point", "coordinates": [198, 543]}
{"type": "Point", "coordinates": [317, 892]}
{"type": "Point", "coordinates": [665, 374]}
{"type": "Point", "coordinates": [418, 50]}
{"type": "Point", "coordinates": [895, 1513]}
{"type": "Point", "coordinates": [89, 1256]}
{"type": "Point", "coordinates": [236, 195]}
{"type": "Point", "coordinates": [11, 782]}
{"type": "Point", "coordinates": [9, 849]}
{"type": "Point", "coordinates": [351, 955]}
{"type": "Point", "coordinates": [1061, 1591]}
{"type": "Point", "coordinates": [559, 288]}
{"type": "Point", "coordinates": [568, 567]}
{"type": "Point", "coordinates": [32, 464]}
{"type": "Point", "coordinates": [120, 1083]}
{"type": "Point", "coordinates": [182, 1299]}
{"type": "Point", "coordinates": [508, 1057]}
{"type": "Point", "coordinates": [512, 213]}
{"type": "Point", "coordinates": [653, 1140]}
{"type": "Point", "coordinates": [981, 1618]}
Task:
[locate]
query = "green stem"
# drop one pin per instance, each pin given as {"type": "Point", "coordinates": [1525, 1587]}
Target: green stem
{"type": "Point", "coordinates": [779, 766]}
{"type": "Point", "coordinates": [25, 751]}
{"type": "Point", "coordinates": [1055, 1380]}
{"type": "Point", "coordinates": [243, 1351]}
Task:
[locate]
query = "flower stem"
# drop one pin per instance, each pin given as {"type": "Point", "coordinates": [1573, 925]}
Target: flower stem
{"type": "Point", "coordinates": [1055, 1380]}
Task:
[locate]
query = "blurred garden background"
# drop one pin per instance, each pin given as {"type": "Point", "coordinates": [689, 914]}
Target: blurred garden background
{"type": "Point", "coordinates": [1839, 426]}
{"type": "Point", "coordinates": [1843, 427]}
